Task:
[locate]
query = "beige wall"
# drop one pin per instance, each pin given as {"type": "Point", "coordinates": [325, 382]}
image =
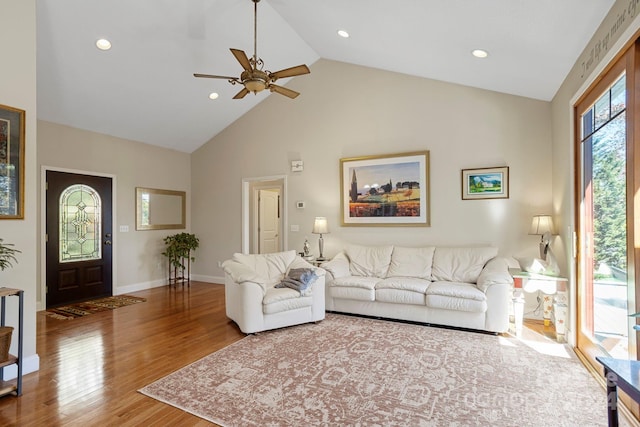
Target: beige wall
{"type": "Point", "coordinates": [137, 259]}
{"type": "Point", "coordinates": [346, 111]}
{"type": "Point", "coordinates": [616, 30]}
{"type": "Point", "coordinates": [18, 89]}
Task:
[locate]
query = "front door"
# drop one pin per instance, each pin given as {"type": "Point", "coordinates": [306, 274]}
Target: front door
{"type": "Point", "coordinates": [79, 250]}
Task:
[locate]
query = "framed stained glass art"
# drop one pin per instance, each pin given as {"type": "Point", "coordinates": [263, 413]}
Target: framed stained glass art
{"type": "Point", "coordinates": [12, 126]}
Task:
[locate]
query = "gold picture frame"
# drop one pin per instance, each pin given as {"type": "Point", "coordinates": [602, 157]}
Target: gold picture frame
{"type": "Point", "coordinates": [386, 190]}
{"type": "Point", "coordinates": [12, 125]}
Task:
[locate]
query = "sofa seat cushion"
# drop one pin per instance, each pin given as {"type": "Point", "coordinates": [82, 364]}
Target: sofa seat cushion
{"type": "Point", "coordinates": [277, 300]}
{"type": "Point", "coordinates": [354, 287]}
{"type": "Point", "coordinates": [402, 290]}
{"type": "Point", "coordinates": [404, 283]}
{"type": "Point", "coordinates": [456, 296]}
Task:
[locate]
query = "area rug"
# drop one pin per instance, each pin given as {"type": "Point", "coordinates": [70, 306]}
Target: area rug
{"type": "Point", "coordinates": [81, 309]}
{"type": "Point", "coordinates": [350, 371]}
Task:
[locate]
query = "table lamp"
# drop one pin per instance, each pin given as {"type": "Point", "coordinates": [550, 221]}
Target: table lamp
{"type": "Point", "coordinates": [542, 225]}
{"type": "Point", "coordinates": [320, 227]}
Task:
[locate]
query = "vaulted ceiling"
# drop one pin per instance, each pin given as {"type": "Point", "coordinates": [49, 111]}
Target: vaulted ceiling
{"type": "Point", "coordinates": [143, 88]}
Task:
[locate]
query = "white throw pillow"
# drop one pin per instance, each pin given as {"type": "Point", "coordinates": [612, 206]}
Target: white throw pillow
{"type": "Point", "coordinates": [411, 262]}
{"type": "Point", "coordinates": [370, 261]}
{"type": "Point", "coordinates": [460, 264]}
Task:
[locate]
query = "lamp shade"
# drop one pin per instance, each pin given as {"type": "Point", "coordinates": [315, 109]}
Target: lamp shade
{"type": "Point", "coordinates": [541, 224]}
{"type": "Point", "coordinates": [320, 225]}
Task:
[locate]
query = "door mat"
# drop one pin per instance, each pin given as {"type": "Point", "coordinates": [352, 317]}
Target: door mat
{"type": "Point", "coordinates": [72, 311]}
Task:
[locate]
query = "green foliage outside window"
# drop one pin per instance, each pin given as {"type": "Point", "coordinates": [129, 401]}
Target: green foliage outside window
{"type": "Point", "coordinates": [609, 195]}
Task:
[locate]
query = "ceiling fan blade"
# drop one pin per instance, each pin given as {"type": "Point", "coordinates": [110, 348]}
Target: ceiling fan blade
{"type": "Point", "coordinates": [241, 94]}
{"type": "Point", "coordinates": [242, 58]}
{"type": "Point", "coordinates": [283, 91]}
{"type": "Point", "coordinates": [211, 76]}
{"type": "Point", "coordinates": [290, 72]}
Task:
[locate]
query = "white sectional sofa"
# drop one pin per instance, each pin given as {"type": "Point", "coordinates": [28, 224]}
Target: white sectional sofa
{"type": "Point", "coordinates": [461, 287]}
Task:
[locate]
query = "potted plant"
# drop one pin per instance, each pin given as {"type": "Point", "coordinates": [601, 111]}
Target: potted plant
{"type": "Point", "coordinates": [178, 250]}
{"type": "Point", "coordinates": [7, 255]}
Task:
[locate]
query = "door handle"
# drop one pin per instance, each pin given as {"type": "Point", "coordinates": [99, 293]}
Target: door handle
{"type": "Point", "coordinates": [107, 242]}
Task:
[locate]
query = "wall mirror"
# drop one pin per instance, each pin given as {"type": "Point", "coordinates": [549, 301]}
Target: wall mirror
{"type": "Point", "coordinates": [160, 209]}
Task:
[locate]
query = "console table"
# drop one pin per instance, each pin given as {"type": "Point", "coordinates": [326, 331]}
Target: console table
{"type": "Point", "coordinates": [553, 299]}
{"type": "Point", "coordinates": [620, 373]}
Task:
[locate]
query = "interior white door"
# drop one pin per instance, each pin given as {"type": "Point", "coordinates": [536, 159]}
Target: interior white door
{"type": "Point", "coordinates": [269, 221]}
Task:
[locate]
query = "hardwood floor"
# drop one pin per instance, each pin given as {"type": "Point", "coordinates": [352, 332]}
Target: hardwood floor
{"type": "Point", "coordinates": [92, 367]}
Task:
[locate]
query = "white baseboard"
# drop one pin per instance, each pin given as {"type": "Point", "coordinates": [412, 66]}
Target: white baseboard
{"type": "Point", "coordinates": [207, 279]}
{"type": "Point", "coordinates": [29, 364]}
{"type": "Point", "coordinates": [120, 290]}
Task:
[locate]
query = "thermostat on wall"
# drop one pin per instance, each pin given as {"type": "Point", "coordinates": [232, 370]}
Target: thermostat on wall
{"type": "Point", "coordinates": [297, 166]}
{"type": "Point", "coordinates": [300, 205]}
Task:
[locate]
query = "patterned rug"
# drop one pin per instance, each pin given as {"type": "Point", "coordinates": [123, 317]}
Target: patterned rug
{"type": "Point", "coordinates": [80, 309]}
{"type": "Point", "coordinates": [350, 371]}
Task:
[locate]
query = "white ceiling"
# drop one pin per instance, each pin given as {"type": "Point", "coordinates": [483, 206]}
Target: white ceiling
{"type": "Point", "coordinates": [143, 89]}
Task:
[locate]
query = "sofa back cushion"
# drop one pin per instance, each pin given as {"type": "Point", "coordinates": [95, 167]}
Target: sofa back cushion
{"type": "Point", "coordinates": [372, 261]}
{"type": "Point", "coordinates": [411, 262]}
{"type": "Point", "coordinates": [460, 264]}
{"type": "Point", "coordinates": [272, 267]}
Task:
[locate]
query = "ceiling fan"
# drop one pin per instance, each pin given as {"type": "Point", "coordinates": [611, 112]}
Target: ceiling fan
{"type": "Point", "coordinates": [254, 78]}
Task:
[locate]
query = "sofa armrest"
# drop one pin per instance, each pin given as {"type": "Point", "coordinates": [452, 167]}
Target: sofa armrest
{"type": "Point", "coordinates": [496, 271]}
{"type": "Point", "coordinates": [240, 273]}
{"type": "Point", "coordinates": [338, 267]}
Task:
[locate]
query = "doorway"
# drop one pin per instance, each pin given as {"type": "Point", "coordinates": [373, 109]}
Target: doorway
{"type": "Point", "coordinates": [264, 199]}
{"type": "Point", "coordinates": [78, 237]}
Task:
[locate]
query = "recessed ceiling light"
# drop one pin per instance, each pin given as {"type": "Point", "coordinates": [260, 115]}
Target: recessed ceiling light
{"type": "Point", "coordinates": [479, 53]}
{"type": "Point", "coordinates": [213, 95]}
{"type": "Point", "coordinates": [343, 33]}
{"type": "Point", "coordinates": [103, 44]}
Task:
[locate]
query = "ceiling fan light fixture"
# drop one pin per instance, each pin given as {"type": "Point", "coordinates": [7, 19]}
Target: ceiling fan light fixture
{"type": "Point", "coordinates": [254, 85]}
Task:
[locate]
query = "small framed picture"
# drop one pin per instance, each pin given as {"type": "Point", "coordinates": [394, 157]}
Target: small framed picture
{"type": "Point", "coordinates": [485, 183]}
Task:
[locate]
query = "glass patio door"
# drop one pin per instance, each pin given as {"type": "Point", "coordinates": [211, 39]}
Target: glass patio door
{"type": "Point", "coordinates": [606, 185]}
{"type": "Point", "coordinates": [604, 308]}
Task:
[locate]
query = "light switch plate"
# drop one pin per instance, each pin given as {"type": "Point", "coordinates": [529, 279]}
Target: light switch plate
{"type": "Point", "coordinates": [297, 166]}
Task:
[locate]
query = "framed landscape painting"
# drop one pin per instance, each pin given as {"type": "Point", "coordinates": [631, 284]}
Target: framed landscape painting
{"type": "Point", "coordinates": [11, 163]}
{"type": "Point", "coordinates": [485, 183]}
{"type": "Point", "coordinates": [387, 190]}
